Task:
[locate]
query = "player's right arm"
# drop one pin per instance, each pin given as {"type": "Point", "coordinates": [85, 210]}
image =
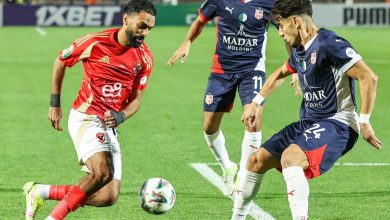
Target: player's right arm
{"type": "Point", "coordinates": [273, 82]}
{"type": "Point", "coordinates": [194, 31]}
{"type": "Point", "coordinates": [55, 111]}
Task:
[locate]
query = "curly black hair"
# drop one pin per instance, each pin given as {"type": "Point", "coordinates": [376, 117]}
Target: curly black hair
{"type": "Point", "coordinates": [136, 6]}
{"type": "Point", "coordinates": [286, 8]}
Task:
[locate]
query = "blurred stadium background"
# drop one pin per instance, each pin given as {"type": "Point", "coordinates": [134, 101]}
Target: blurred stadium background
{"type": "Point", "coordinates": [164, 138]}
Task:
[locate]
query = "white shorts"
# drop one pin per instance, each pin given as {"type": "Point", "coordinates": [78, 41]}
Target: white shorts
{"type": "Point", "coordinates": [90, 136]}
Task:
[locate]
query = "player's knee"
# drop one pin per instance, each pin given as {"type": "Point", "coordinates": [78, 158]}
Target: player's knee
{"type": "Point", "coordinates": [294, 156]}
{"type": "Point", "coordinates": [111, 198]}
{"type": "Point", "coordinates": [209, 128]}
{"type": "Point", "coordinates": [255, 163]}
{"type": "Point", "coordinates": [103, 176]}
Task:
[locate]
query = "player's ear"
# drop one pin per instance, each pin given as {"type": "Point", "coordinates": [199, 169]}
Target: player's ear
{"type": "Point", "coordinates": [125, 17]}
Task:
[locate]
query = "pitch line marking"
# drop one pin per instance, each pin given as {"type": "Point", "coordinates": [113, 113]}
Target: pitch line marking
{"type": "Point", "coordinates": [41, 31]}
{"type": "Point", "coordinates": [256, 212]}
{"type": "Point", "coordinates": [338, 164]}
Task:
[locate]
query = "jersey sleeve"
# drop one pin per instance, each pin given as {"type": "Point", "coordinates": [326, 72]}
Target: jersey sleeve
{"type": "Point", "coordinates": [340, 53]}
{"type": "Point", "coordinates": [141, 81]}
{"type": "Point", "coordinates": [80, 49]}
{"type": "Point", "coordinates": [208, 10]}
{"type": "Point", "coordinates": [290, 66]}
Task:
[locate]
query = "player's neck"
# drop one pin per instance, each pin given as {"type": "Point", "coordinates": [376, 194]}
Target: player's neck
{"type": "Point", "coordinates": [308, 33]}
{"type": "Point", "coordinates": [121, 37]}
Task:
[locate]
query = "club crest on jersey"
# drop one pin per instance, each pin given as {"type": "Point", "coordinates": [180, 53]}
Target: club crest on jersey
{"type": "Point", "coordinates": [313, 58]}
{"type": "Point", "coordinates": [137, 68]}
{"type": "Point", "coordinates": [100, 137]}
{"type": "Point", "coordinates": [259, 13]}
{"type": "Point", "coordinates": [67, 52]}
{"type": "Point", "coordinates": [209, 99]}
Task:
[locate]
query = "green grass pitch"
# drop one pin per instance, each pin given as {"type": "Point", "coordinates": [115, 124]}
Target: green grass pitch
{"type": "Point", "coordinates": [165, 136]}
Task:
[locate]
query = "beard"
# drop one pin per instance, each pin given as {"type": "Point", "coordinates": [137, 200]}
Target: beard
{"type": "Point", "coordinates": [133, 40]}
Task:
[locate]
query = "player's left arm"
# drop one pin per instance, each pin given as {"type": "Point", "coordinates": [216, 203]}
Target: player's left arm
{"type": "Point", "coordinates": [368, 84]}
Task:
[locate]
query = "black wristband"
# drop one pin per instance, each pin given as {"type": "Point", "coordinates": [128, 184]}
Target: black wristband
{"type": "Point", "coordinates": [55, 100]}
{"type": "Point", "coordinates": [118, 116]}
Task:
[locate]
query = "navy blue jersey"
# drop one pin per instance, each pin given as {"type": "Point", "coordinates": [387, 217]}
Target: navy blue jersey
{"type": "Point", "coordinates": [321, 66]}
{"type": "Point", "coordinates": [241, 33]}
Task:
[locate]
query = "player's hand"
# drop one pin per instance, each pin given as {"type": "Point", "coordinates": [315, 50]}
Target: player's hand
{"type": "Point", "coordinates": [249, 115]}
{"type": "Point", "coordinates": [55, 116]}
{"type": "Point", "coordinates": [369, 135]}
{"type": "Point", "coordinates": [113, 119]}
{"type": "Point", "coordinates": [295, 84]}
{"type": "Point", "coordinates": [180, 53]}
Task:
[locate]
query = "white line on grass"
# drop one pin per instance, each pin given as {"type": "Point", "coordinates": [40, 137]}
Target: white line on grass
{"type": "Point", "coordinates": [362, 164]}
{"type": "Point", "coordinates": [256, 212]}
{"type": "Point", "coordinates": [339, 164]}
{"type": "Point", "coordinates": [41, 31]}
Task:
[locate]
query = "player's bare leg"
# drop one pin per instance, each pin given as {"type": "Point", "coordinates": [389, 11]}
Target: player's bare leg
{"type": "Point", "coordinates": [106, 196]}
{"type": "Point", "coordinates": [101, 173]}
{"type": "Point", "coordinates": [216, 142]}
{"type": "Point", "coordinates": [248, 185]}
{"type": "Point", "coordinates": [294, 162]}
{"type": "Point", "coordinates": [251, 141]}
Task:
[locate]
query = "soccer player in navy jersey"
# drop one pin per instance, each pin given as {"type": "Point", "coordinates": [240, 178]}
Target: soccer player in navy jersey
{"type": "Point", "coordinates": [327, 66]}
{"type": "Point", "coordinates": [238, 64]}
{"type": "Point", "coordinates": [117, 64]}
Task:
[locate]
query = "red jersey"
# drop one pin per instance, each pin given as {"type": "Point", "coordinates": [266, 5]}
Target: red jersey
{"type": "Point", "coordinates": [111, 72]}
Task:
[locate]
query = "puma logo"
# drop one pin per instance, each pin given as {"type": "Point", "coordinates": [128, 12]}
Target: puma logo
{"type": "Point", "coordinates": [229, 9]}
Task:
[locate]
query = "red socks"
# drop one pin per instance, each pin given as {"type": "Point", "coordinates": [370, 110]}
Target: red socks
{"type": "Point", "coordinates": [57, 192]}
{"type": "Point", "coordinates": [71, 201]}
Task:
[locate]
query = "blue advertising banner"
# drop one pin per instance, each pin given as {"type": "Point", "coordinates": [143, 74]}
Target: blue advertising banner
{"type": "Point", "coordinates": [62, 15]}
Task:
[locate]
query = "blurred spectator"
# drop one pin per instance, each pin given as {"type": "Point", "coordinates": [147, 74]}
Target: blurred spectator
{"type": "Point", "coordinates": [92, 2]}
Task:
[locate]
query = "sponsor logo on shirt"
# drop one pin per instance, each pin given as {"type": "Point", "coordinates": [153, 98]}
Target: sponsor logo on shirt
{"type": "Point", "coordinates": [313, 95]}
{"type": "Point", "coordinates": [110, 92]}
{"type": "Point", "coordinates": [240, 41]}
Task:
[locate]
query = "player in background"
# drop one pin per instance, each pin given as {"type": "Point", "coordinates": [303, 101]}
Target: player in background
{"type": "Point", "coordinates": [117, 64]}
{"type": "Point", "coordinates": [327, 66]}
{"type": "Point", "coordinates": [238, 64]}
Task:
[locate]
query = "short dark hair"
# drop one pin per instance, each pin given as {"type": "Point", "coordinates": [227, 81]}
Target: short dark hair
{"type": "Point", "coordinates": [286, 8]}
{"type": "Point", "coordinates": [136, 6]}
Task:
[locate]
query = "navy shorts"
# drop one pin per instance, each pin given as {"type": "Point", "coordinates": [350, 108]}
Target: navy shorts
{"type": "Point", "coordinates": [323, 141]}
{"type": "Point", "coordinates": [221, 89]}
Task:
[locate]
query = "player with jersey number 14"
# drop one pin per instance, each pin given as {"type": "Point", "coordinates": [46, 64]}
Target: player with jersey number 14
{"type": "Point", "coordinates": [117, 64]}
{"type": "Point", "coordinates": [327, 66]}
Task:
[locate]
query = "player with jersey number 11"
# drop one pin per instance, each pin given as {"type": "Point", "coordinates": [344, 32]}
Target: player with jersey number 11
{"type": "Point", "coordinates": [117, 64]}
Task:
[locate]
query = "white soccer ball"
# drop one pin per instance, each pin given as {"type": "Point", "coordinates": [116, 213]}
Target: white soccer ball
{"type": "Point", "coordinates": [157, 196]}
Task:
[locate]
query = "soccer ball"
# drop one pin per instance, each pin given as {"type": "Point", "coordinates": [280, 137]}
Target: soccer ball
{"type": "Point", "coordinates": [157, 196]}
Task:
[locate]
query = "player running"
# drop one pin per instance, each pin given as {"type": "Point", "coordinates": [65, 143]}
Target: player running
{"type": "Point", "coordinates": [238, 64]}
{"type": "Point", "coordinates": [327, 66]}
{"type": "Point", "coordinates": [117, 65]}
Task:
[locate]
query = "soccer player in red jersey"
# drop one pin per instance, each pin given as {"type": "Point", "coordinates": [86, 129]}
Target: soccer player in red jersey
{"type": "Point", "coordinates": [117, 64]}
